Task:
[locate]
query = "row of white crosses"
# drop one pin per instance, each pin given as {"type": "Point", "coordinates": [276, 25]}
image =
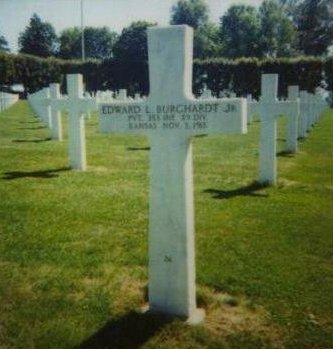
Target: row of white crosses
{"type": "Point", "coordinates": [40, 102]}
{"type": "Point", "coordinates": [311, 107]}
{"type": "Point", "coordinates": [7, 100]}
{"type": "Point", "coordinates": [302, 110]}
{"type": "Point", "coordinates": [48, 104]}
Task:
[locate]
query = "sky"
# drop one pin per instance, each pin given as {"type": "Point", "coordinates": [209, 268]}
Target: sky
{"type": "Point", "coordinates": [115, 14]}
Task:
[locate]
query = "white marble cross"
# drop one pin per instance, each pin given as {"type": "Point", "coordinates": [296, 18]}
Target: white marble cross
{"type": "Point", "coordinates": [76, 105]}
{"type": "Point", "coordinates": [56, 125]}
{"type": "Point", "coordinates": [206, 93]}
{"type": "Point", "coordinates": [321, 104]}
{"type": "Point", "coordinates": [252, 108]}
{"type": "Point", "coordinates": [169, 117]}
{"type": "Point", "coordinates": [270, 108]}
{"type": "Point", "coordinates": [304, 114]}
{"type": "Point", "coordinates": [45, 106]}
{"type": "Point", "coordinates": [292, 120]}
{"type": "Point", "coordinates": [122, 95]}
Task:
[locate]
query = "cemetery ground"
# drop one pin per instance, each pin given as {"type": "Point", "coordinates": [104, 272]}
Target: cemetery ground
{"type": "Point", "coordinates": [73, 245]}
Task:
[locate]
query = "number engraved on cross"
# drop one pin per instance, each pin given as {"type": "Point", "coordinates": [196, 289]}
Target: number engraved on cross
{"type": "Point", "coordinates": [167, 259]}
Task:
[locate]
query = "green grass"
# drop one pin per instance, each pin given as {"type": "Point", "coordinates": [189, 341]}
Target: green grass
{"type": "Point", "coordinates": [73, 245]}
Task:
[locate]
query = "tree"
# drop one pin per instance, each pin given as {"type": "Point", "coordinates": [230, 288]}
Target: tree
{"type": "Point", "coordinates": [3, 44]}
{"type": "Point", "coordinates": [132, 43]}
{"type": "Point", "coordinates": [195, 14]}
{"type": "Point", "coordinates": [206, 41]}
{"type": "Point", "coordinates": [131, 58]}
{"type": "Point", "coordinates": [39, 38]}
{"type": "Point", "coordinates": [239, 32]}
{"type": "Point", "coordinates": [99, 43]}
{"type": "Point", "coordinates": [314, 22]}
{"type": "Point", "coordinates": [191, 12]}
{"type": "Point", "coordinates": [70, 43]}
{"type": "Point", "coordinates": [277, 33]}
{"type": "Point", "coordinates": [290, 7]}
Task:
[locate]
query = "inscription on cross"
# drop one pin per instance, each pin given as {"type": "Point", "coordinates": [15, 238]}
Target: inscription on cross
{"type": "Point", "coordinates": [170, 116]}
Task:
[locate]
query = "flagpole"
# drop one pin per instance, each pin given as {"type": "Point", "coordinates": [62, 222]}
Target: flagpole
{"type": "Point", "coordinates": [82, 33]}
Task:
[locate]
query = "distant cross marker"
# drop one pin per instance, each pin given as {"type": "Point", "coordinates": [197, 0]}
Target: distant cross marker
{"type": "Point", "coordinates": [46, 114]}
{"type": "Point", "coordinates": [169, 117]}
{"type": "Point", "coordinates": [56, 126]}
{"type": "Point", "coordinates": [271, 108]}
{"type": "Point", "coordinates": [76, 105]}
{"type": "Point", "coordinates": [293, 119]}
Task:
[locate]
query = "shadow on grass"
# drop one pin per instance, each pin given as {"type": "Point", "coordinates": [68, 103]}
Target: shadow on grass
{"type": "Point", "coordinates": [138, 148]}
{"type": "Point", "coordinates": [31, 140]}
{"type": "Point", "coordinates": [34, 174]}
{"type": "Point", "coordinates": [249, 190]}
{"type": "Point", "coordinates": [130, 331]}
{"type": "Point", "coordinates": [29, 122]}
{"type": "Point", "coordinates": [285, 153]}
{"type": "Point", "coordinates": [32, 128]}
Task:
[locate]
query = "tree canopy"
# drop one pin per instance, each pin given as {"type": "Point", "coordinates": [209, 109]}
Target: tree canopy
{"type": "Point", "coordinates": [3, 44]}
{"type": "Point", "coordinates": [39, 38]}
{"type": "Point", "coordinates": [98, 42]}
{"type": "Point", "coordinates": [195, 13]}
{"type": "Point", "coordinates": [277, 37]}
{"type": "Point", "coordinates": [239, 32]}
{"type": "Point", "coordinates": [191, 12]}
{"type": "Point", "coordinates": [132, 42]}
{"type": "Point", "coordinates": [277, 28]}
{"type": "Point", "coordinates": [314, 22]}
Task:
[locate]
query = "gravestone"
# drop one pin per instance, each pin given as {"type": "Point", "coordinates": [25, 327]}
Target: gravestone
{"type": "Point", "coordinates": [170, 116]}
{"type": "Point", "coordinates": [292, 120]}
{"type": "Point", "coordinates": [321, 104]}
{"type": "Point", "coordinates": [77, 106]}
{"type": "Point", "coordinates": [309, 123]}
{"type": "Point", "coordinates": [56, 125]}
{"type": "Point", "coordinates": [45, 106]}
{"type": "Point", "coordinates": [7, 100]}
{"type": "Point", "coordinates": [206, 93]}
{"type": "Point", "coordinates": [304, 114]}
{"type": "Point", "coordinates": [252, 108]}
{"type": "Point", "coordinates": [270, 108]}
{"type": "Point", "coordinates": [122, 95]}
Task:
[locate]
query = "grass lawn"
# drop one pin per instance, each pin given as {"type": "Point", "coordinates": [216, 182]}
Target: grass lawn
{"type": "Point", "coordinates": [73, 245]}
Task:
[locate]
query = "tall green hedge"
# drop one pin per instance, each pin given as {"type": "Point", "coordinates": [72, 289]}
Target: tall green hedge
{"type": "Point", "coordinates": [241, 76]}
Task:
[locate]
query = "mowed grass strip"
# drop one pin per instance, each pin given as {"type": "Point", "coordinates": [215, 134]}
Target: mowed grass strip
{"type": "Point", "coordinates": [73, 245]}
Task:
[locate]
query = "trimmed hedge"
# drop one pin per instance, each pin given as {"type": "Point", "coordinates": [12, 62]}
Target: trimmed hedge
{"type": "Point", "coordinates": [241, 76]}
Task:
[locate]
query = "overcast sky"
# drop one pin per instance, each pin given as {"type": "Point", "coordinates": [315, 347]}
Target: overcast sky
{"type": "Point", "coordinates": [116, 14]}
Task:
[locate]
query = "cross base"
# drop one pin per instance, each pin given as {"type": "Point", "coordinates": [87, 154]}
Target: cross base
{"type": "Point", "coordinates": [195, 318]}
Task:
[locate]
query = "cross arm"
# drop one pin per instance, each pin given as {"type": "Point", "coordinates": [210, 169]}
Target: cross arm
{"type": "Point", "coordinates": [60, 104]}
{"type": "Point", "coordinates": [253, 107]}
{"type": "Point", "coordinates": [225, 116]}
{"type": "Point", "coordinates": [88, 104]}
{"type": "Point", "coordinates": [124, 117]}
{"type": "Point", "coordinates": [278, 108]}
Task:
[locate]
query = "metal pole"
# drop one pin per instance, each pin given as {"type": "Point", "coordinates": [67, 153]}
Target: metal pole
{"type": "Point", "coordinates": [82, 33]}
